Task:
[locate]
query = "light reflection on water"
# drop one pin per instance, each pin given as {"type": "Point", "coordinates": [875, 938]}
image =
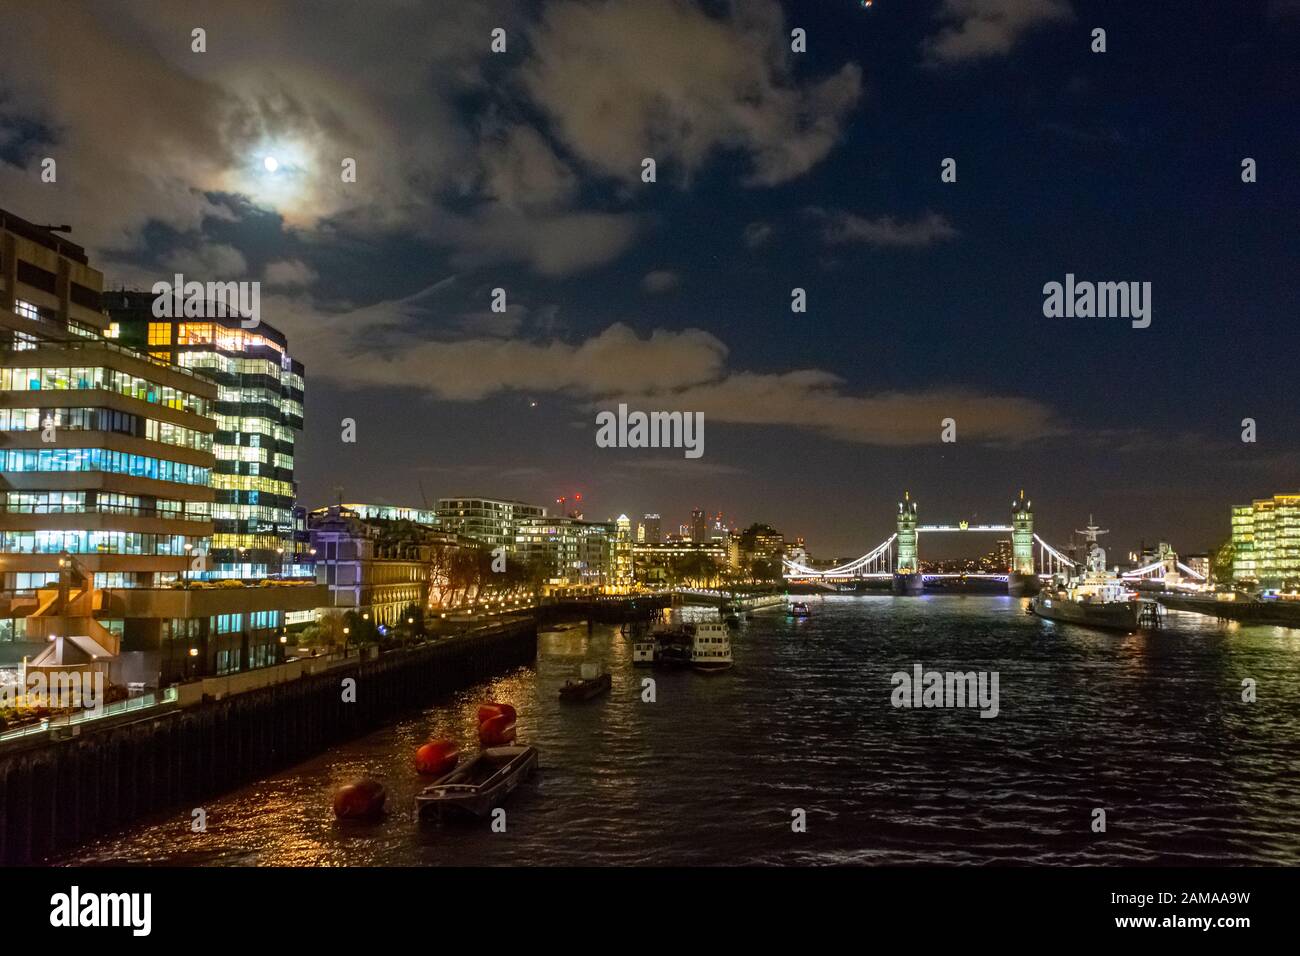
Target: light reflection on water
{"type": "Point", "coordinates": [1150, 727]}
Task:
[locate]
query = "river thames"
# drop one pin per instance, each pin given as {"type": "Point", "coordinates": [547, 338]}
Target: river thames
{"type": "Point", "coordinates": [1151, 728]}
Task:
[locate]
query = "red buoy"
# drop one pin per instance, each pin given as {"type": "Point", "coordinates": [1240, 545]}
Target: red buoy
{"type": "Point", "coordinates": [437, 757]}
{"type": "Point", "coordinates": [497, 731]}
{"type": "Point", "coordinates": [493, 709]}
{"type": "Point", "coordinates": [360, 800]}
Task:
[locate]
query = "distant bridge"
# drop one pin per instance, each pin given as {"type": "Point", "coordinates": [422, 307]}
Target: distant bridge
{"type": "Point", "coordinates": [897, 556]}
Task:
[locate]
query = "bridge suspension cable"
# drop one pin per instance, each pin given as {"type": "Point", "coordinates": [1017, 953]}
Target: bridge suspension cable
{"type": "Point", "coordinates": [879, 558]}
{"type": "Point", "coordinates": [1047, 556]}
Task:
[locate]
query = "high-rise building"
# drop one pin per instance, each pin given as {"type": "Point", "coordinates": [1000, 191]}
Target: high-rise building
{"type": "Point", "coordinates": [649, 529]}
{"type": "Point", "coordinates": [621, 577]}
{"type": "Point", "coordinates": [105, 455]}
{"type": "Point", "coordinates": [759, 552]}
{"type": "Point", "coordinates": [105, 458]}
{"type": "Point", "coordinates": [489, 521]}
{"type": "Point", "coordinates": [48, 291]}
{"type": "Point", "coordinates": [699, 526]}
{"type": "Point", "coordinates": [1266, 541]}
{"type": "Point", "coordinates": [106, 461]}
{"type": "Point", "coordinates": [259, 411]}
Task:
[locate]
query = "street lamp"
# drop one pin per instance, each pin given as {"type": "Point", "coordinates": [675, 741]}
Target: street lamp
{"type": "Point", "coordinates": [186, 573]}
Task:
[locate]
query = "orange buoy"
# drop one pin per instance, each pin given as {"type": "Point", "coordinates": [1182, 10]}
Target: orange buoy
{"type": "Point", "coordinates": [493, 709]}
{"type": "Point", "coordinates": [360, 800]}
{"type": "Point", "coordinates": [437, 757]}
{"type": "Point", "coordinates": [497, 731]}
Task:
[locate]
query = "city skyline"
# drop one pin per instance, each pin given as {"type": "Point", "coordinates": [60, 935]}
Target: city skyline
{"type": "Point", "coordinates": [529, 434]}
{"type": "Point", "coordinates": [821, 170]}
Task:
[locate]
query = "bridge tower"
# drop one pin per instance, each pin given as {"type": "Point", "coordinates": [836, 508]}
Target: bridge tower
{"type": "Point", "coordinates": [907, 571]}
{"type": "Point", "coordinates": [1022, 579]}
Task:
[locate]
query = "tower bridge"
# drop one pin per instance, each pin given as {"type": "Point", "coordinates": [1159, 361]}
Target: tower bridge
{"type": "Point", "coordinates": [897, 557]}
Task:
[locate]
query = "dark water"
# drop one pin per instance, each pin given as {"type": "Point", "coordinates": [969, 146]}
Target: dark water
{"type": "Point", "coordinates": [1151, 728]}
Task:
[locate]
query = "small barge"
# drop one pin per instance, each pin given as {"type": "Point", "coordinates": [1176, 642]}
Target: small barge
{"type": "Point", "coordinates": [480, 785]}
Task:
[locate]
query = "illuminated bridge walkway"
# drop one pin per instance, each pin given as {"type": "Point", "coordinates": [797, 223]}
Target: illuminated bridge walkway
{"type": "Point", "coordinates": [897, 558]}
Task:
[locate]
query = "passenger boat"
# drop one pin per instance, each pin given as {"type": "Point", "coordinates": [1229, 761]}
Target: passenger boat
{"type": "Point", "coordinates": [799, 609]}
{"type": "Point", "coordinates": [643, 653]}
{"type": "Point", "coordinates": [710, 648]}
{"type": "Point", "coordinates": [480, 785]}
{"type": "Point", "coordinates": [592, 683]}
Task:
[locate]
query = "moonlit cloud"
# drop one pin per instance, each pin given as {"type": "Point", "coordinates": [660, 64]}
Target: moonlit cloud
{"type": "Point", "coordinates": [660, 281]}
{"type": "Point", "coordinates": [840, 227]}
{"type": "Point", "coordinates": [629, 79]}
{"type": "Point", "coordinates": [289, 273]}
{"type": "Point", "coordinates": [210, 262]}
{"type": "Point", "coordinates": [688, 370]}
{"type": "Point", "coordinates": [978, 29]}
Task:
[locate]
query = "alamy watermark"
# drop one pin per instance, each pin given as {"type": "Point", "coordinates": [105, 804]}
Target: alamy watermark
{"type": "Point", "coordinates": [208, 300]}
{"type": "Point", "coordinates": [651, 430]}
{"type": "Point", "coordinates": [61, 690]}
{"type": "Point", "coordinates": [923, 688]}
{"type": "Point", "coordinates": [133, 911]}
{"type": "Point", "coordinates": [1100, 300]}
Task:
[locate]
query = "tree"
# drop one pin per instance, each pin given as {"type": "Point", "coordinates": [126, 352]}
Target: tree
{"type": "Point", "coordinates": [412, 620]}
{"type": "Point", "coordinates": [361, 630]}
{"type": "Point", "coordinates": [1222, 563]}
{"type": "Point", "coordinates": [695, 569]}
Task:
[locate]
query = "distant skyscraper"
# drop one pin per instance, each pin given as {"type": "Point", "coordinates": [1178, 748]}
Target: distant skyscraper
{"type": "Point", "coordinates": [650, 530]}
{"type": "Point", "coordinates": [699, 526]}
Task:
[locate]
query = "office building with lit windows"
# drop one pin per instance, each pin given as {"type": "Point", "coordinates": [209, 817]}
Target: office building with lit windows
{"type": "Point", "coordinates": [104, 454]}
{"type": "Point", "coordinates": [106, 498]}
{"type": "Point", "coordinates": [105, 459]}
{"type": "Point", "coordinates": [650, 529]}
{"type": "Point", "coordinates": [259, 411]}
{"type": "Point", "coordinates": [567, 553]}
{"type": "Point", "coordinates": [489, 521]}
{"type": "Point", "coordinates": [1266, 542]}
{"type": "Point", "coordinates": [48, 291]}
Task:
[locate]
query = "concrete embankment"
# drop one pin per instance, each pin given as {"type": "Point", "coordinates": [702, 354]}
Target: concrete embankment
{"type": "Point", "coordinates": [1283, 613]}
{"type": "Point", "coordinates": [59, 790]}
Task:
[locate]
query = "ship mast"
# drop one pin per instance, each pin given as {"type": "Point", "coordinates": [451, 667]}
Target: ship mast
{"type": "Point", "coordinates": [1090, 535]}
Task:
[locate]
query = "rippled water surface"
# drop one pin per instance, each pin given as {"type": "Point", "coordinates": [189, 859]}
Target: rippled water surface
{"type": "Point", "coordinates": [1151, 728]}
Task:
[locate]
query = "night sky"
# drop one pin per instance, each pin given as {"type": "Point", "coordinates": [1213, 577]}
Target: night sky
{"type": "Point", "coordinates": [776, 170]}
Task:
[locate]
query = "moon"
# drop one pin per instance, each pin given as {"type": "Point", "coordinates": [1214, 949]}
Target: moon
{"type": "Point", "coordinates": [271, 164]}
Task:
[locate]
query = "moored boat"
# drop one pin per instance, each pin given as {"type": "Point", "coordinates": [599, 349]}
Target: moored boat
{"type": "Point", "coordinates": [592, 683]}
{"type": "Point", "coordinates": [480, 785]}
{"type": "Point", "coordinates": [1093, 599]}
{"type": "Point", "coordinates": [710, 648]}
{"type": "Point", "coordinates": [643, 653]}
{"type": "Point", "coordinates": [729, 612]}
{"type": "Point", "coordinates": [672, 646]}
{"type": "Point", "coordinates": [1105, 606]}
